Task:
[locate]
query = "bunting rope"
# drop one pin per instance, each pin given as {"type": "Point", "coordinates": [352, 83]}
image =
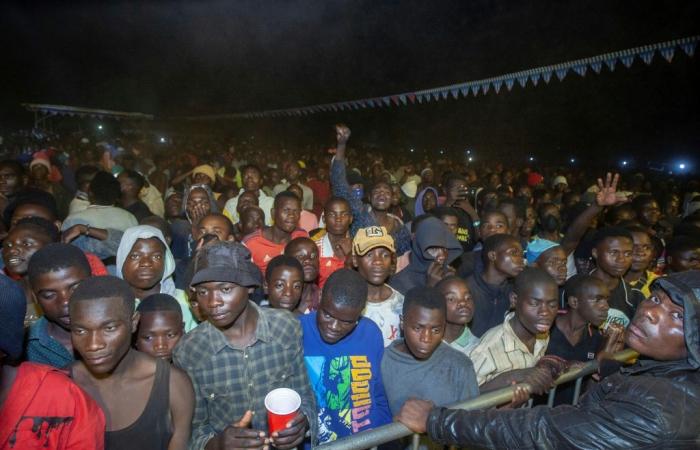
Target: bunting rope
{"type": "Point", "coordinates": [579, 66]}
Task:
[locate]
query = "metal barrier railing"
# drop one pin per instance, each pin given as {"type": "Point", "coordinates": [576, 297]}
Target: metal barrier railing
{"type": "Point", "coordinates": [390, 432]}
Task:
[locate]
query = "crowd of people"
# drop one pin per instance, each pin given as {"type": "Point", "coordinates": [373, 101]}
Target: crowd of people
{"type": "Point", "coordinates": [151, 299]}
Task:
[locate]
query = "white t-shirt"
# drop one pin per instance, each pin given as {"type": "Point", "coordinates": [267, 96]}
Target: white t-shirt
{"type": "Point", "coordinates": [387, 315]}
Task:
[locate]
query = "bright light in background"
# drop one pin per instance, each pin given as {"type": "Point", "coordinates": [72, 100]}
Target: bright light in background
{"type": "Point", "coordinates": [162, 140]}
{"type": "Point", "coordinates": [682, 166]}
{"type": "Point", "coordinates": [442, 151]}
{"type": "Point", "coordinates": [624, 162]}
{"type": "Point", "coordinates": [470, 159]}
{"type": "Point", "coordinates": [411, 150]}
{"type": "Point", "coordinates": [532, 158]}
{"type": "Point", "coordinates": [99, 127]}
{"type": "Point", "coordinates": [573, 160]}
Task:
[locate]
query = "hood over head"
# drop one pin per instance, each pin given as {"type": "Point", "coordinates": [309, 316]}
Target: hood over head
{"type": "Point", "coordinates": [432, 232]}
{"type": "Point", "coordinates": [418, 209]}
{"type": "Point", "coordinates": [133, 234]}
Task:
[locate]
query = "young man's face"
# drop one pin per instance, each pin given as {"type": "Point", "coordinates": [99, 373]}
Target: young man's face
{"type": "Point", "coordinates": [251, 220]}
{"type": "Point", "coordinates": [456, 190]}
{"type": "Point", "coordinates": [145, 263]}
{"type": "Point", "coordinates": [10, 181]}
{"type": "Point", "coordinates": [286, 213]}
{"type": "Point", "coordinates": [536, 308]}
{"type": "Point", "coordinates": [338, 218]}
{"type": "Point", "coordinates": [592, 305]}
{"type": "Point", "coordinates": [613, 255]}
{"type": "Point", "coordinates": [19, 246]}
{"type": "Point", "coordinates": [460, 305]}
{"type": "Point", "coordinates": [423, 330]}
{"type": "Point", "coordinates": [127, 185]}
{"type": "Point", "coordinates": [381, 197]}
{"type": "Point", "coordinates": [306, 253]}
{"type": "Point", "coordinates": [216, 225]}
{"type": "Point", "coordinates": [685, 260]}
{"type": "Point", "coordinates": [173, 205]}
{"type": "Point", "coordinates": [642, 251]}
{"type": "Point", "coordinates": [158, 333]}
{"type": "Point", "coordinates": [53, 290]}
{"type": "Point", "coordinates": [452, 223]}
{"type": "Point", "coordinates": [101, 332]}
{"type": "Point", "coordinates": [201, 178]}
{"type": "Point", "coordinates": [198, 198]}
{"type": "Point", "coordinates": [656, 330]}
{"type": "Point", "coordinates": [245, 200]}
{"type": "Point", "coordinates": [553, 261]}
{"type": "Point", "coordinates": [284, 287]}
{"type": "Point", "coordinates": [650, 213]}
{"type": "Point", "coordinates": [335, 321]}
{"type": "Point", "coordinates": [375, 265]}
{"type": "Point", "coordinates": [495, 223]}
{"type": "Point", "coordinates": [508, 258]}
{"type": "Point", "coordinates": [429, 201]}
{"type": "Point", "coordinates": [221, 302]}
{"type": "Point", "coordinates": [252, 181]}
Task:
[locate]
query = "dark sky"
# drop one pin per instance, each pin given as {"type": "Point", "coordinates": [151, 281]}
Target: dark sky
{"type": "Point", "coordinates": [186, 58]}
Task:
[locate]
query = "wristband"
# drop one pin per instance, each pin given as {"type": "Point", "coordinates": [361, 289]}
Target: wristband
{"type": "Point", "coordinates": [87, 230]}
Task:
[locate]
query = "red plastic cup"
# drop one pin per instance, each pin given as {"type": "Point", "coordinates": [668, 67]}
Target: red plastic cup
{"type": "Point", "coordinates": [282, 405]}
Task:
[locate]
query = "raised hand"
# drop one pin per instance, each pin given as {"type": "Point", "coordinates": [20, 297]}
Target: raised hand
{"type": "Point", "coordinates": [607, 191]}
{"type": "Point", "coordinates": [342, 133]}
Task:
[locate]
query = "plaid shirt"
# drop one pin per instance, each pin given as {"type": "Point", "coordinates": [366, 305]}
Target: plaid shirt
{"type": "Point", "coordinates": [228, 381]}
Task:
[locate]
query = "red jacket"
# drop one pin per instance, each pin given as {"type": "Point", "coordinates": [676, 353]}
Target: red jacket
{"type": "Point", "coordinates": [46, 410]}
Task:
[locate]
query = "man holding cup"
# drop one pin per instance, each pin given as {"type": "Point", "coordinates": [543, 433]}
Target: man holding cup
{"type": "Point", "coordinates": [241, 354]}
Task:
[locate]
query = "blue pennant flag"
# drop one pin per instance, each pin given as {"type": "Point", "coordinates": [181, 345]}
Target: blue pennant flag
{"type": "Point", "coordinates": [627, 60]}
{"type": "Point", "coordinates": [689, 48]}
{"type": "Point", "coordinates": [535, 78]}
{"type": "Point", "coordinates": [371, 104]}
{"type": "Point", "coordinates": [522, 81]}
{"type": "Point", "coordinates": [485, 87]}
{"type": "Point", "coordinates": [581, 70]}
{"type": "Point", "coordinates": [596, 66]}
{"type": "Point", "coordinates": [419, 97]}
{"type": "Point", "coordinates": [497, 85]}
{"type": "Point", "coordinates": [611, 63]}
{"type": "Point", "coordinates": [465, 91]}
{"type": "Point", "coordinates": [436, 96]}
{"type": "Point", "coordinates": [667, 53]}
{"type": "Point", "coordinates": [546, 76]}
{"type": "Point", "coordinates": [402, 97]}
{"type": "Point", "coordinates": [475, 89]}
{"type": "Point", "coordinates": [509, 83]}
{"type": "Point", "coordinates": [561, 73]}
{"type": "Point", "coordinates": [444, 94]}
{"type": "Point", "coordinates": [387, 101]}
{"type": "Point", "coordinates": [455, 93]}
{"type": "Point", "coordinates": [647, 57]}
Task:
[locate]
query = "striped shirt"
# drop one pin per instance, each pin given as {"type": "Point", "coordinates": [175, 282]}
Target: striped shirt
{"type": "Point", "coordinates": [500, 351]}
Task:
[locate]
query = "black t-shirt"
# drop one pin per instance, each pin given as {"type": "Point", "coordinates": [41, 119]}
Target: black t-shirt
{"type": "Point", "coordinates": [584, 351]}
{"type": "Point", "coordinates": [465, 230]}
{"type": "Point", "coordinates": [625, 298]}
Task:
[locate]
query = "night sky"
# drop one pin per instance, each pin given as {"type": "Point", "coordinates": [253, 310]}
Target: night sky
{"type": "Point", "coordinates": [177, 59]}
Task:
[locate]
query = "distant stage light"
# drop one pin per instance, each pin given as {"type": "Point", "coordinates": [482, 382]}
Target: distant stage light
{"type": "Point", "coordinates": [162, 140]}
{"type": "Point", "coordinates": [532, 158]}
{"type": "Point", "coordinates": [411, 150]}
{"type": "Point", "coordinates": [573, 160]}
{"type": "Point", "coordinates": [99, 127]}
{"type": "Point", "coordinates": [682, 166]}
{"type": "Point", "coordinates": [470, 159]}
{"type": "Point", "coordinates": [624, 162]}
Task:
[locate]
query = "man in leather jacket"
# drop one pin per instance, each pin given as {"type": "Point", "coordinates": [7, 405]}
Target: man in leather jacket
{"type": "Point", "coordinates": [654, 404]}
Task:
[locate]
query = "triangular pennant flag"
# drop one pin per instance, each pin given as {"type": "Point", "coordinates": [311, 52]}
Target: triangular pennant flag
{"type": "Point", "coordinates": [465, 91]}
{"type": "Point", "coordinates": [509, 83]}
{"type": "Point", "coordinates": [596, 66]}
{"type": "Point", "coordinates": [535, 78]}
{"type": "Point", "coordinates": [402, 98]}
{"type": "Point", "coordinates": [627, 60]}
{"type": "Point", "coordinates": [411, 97]}
{"type": "Point", "coordinates": [363, 103]}
{"type": "Point", "coordinates": [522, 81]}
{"type": "Point", "coordinates": [647, 57]}
{"type": "Point", "coordinates": [561, 73]}
{"type": "Point", "coordinates": [386, 101]}
{"type": "Point", "coordinates": [419, 97]}
{"type": "Point", "coordinates": [455, 93]}
{"type": "Point", "coordinates": [611, 63]}
{"type": "Point", "coordinates": [475, 89]}
{"type": "Point", "coordinates": [497, 85]}
{"type": "Point", "coordinates": [485, 87]}
{"type": "Point", "coordinates": [546, 76]}
{"type": "Point", "coordinates": [581, 70]}
{"type": "Point", "coordinates": [436, 96]}
{"type": "Point", "coordinates": [667, 53]}
{"type": "Point", "coordinates": [395, 99]}
{"type": "Point", "coordinates": [689, 48]}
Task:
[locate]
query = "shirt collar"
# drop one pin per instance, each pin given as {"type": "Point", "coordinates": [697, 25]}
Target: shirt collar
{"type": "Point", "coordinates": [465, 337]}
{"type": "Point", "coordinates": [513, 343]}
{"type": "Point", "coordinates": [263, 331]}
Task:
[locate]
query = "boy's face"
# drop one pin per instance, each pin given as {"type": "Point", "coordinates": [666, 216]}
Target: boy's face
{"type": "Point", "coordinates": [221, 302]}
{"type": "Point", "coordinates": [19, 246]}
{"type": "Point", "coordinates": [460, 305]}
{"type": "Point", "coordinates": [553, 261]}
{"type": "Point", "coordinates": [334, 321]}
{"type": "Point", "coordinates": [251, 180]}
{"type": "Point", "coordinates": [536, 308]}
{"type": "Point", "coordinates": [685, 260]}
{"type": "Point", "coordinates": [10, 181]}
{"type": "Point", "coordinates": [656, 330]}
{"type": "Point", "coordinates": [423, 330]}
{"type": "Point", "coordinates": [101, 332]}
{"type": "Point", "coordinates": [650, 213]}
{"type": "Point", "coordinates": [642, 251]}
{"type": "Point", "coordinates": [338, 218]}
{"type": "Point", "coordinates": [437, 254]}
{"type": "Point", "coordinates": [245, 200]}
{"type": "Point", "coordinates": [306, 253]}
{"type": "Point", "coordinates": [593, 305]}
{"type": "Point", "coordinates": [216, 225]}
{"type": "Point", "coordinates": [286, 213]}
{"type": "Point", "coordinates": [145, 263]}
{"type": "Point", "coordinates": [251, 220]}
{"type": "Point", "coordinates": [285, 287]}
{"type": "Point", "coordinates": [375, 265]}
{"type": "Point", "coordinates": [508, 258]}
{"type": "Point", "coordinates": [495, 223]}
{"type": "Point", "coordinates": [613, 255]}
{"type": "Point", "coordinates": [158, 333]}
{"type": "Point", "coordinates": [452, 222]}
{"type": "Point", "coordinates": [53, 291]}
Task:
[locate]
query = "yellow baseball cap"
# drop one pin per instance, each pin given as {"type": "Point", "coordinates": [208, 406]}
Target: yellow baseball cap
{"type": "Point", "coordinates": [370, 238]}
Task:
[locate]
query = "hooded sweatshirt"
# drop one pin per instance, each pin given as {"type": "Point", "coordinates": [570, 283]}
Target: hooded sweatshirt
{"type": "Point", "coordinates": [418, 209]}
{"type": "Point", "coordinates": [431, 233]}
{"type": "Point", "coordinates": [167, 284]}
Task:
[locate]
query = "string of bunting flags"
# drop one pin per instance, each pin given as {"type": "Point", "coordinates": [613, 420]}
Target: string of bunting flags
{"type": "Point", "coordinates": [524, 77]}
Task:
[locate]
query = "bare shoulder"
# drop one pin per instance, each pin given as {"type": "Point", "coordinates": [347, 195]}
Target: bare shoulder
{"type": "Point", "coordinates": [179, 379]}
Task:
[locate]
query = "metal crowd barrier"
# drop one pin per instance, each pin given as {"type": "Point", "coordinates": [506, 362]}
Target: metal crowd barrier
{"type": "Point", "coordinates": [393, 431]}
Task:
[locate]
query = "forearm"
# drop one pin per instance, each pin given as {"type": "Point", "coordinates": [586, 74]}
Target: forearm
{"type": "Point", "coordinates": [578, 228]}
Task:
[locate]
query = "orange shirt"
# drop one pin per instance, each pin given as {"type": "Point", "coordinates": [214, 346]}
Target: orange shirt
{"type": "Point", "coordinates": [262, 250]}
